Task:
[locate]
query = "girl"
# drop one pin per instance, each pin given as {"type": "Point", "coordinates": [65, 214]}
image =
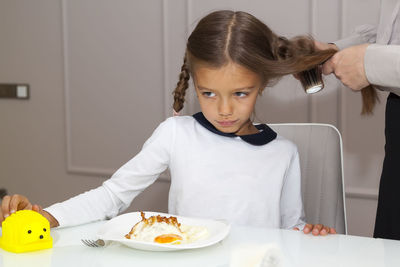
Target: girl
{"type": "Point", "coordinates": [222, 165]}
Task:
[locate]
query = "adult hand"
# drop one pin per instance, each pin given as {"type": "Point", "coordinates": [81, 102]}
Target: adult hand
{"type": "Point", "coordinates": [11, 204]}
{"type": "Point", "coordinates": [348, 67]}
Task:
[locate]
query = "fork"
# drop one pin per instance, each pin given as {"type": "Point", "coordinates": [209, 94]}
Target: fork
{"type": "Point", "coordinates": [93, 243]}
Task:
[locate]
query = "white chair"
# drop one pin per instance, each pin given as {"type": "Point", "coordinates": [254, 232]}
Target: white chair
{"type": "Point", "coordinates": [321, 163]}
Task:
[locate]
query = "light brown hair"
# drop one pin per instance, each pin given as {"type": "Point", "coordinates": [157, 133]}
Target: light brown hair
{"type": "Point", "coordinates": [226, 36]}
{"type": "Point", "coordinates": [369, 99]}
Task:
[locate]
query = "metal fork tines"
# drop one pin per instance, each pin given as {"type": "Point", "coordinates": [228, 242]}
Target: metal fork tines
{"type": "Point", "coordinates": [93, 243]}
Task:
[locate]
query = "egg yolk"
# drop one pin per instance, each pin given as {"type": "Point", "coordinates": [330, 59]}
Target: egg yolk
{"type": "Point", "coordinates": [167, 238]}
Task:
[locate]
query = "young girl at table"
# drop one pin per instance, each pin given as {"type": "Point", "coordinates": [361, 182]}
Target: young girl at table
{"type": "Point", "coordinates": [222, 165]}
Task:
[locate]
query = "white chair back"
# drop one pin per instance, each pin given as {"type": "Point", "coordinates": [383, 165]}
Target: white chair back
{"type": "Point", "coordinates": [321, 163]}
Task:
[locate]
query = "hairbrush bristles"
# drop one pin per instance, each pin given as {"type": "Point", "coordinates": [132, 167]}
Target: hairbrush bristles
{"type": "Point", "coordinates": [312, 80]}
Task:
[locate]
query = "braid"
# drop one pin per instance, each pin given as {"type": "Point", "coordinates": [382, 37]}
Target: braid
{"type": "Point", "coordinates": [181, 86]}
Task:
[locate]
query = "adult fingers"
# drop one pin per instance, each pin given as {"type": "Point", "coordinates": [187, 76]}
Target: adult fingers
{"type": "Point", "coordinates": [317, 229]}
{"type": "Point", "coordinates": [328, 67]}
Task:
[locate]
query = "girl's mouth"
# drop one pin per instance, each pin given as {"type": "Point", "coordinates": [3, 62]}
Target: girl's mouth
{"type": "Point", "coordinates": [226, 123]}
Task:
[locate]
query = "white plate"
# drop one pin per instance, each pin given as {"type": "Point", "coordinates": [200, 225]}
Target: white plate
{"type": "Point", "coordinates": [116, 229]}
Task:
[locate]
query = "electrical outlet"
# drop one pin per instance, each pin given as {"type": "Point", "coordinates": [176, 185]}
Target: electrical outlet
{"type": "Point", "coordinates": [17, 91]}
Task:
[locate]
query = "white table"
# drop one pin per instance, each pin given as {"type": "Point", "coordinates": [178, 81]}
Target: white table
{"type": "Point", "coordinates": [242, 245]}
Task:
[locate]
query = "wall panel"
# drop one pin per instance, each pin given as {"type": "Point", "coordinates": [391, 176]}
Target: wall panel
{"type": "Point", "coordinates": [114, 83]}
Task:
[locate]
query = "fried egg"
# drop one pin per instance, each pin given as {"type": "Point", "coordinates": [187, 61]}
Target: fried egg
{"type": "Point", "coordinates": [165, 230]}
{"type": "Point", "coordinates": [195, 233]}
{"type": "Point", "coordinates": [159, 232]}
{"type": "Point", "coordinates": [168, 238]}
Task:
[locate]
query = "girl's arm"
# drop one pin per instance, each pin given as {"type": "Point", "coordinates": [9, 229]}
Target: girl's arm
{"type": "Point", "coordinates": [292, 212]}
{"type": "Point", "coordinates": [11, 204]}
{"type": "Point", "coordinates": [291, 206]}
{"type": "Point", "coordinates": [116, 194]}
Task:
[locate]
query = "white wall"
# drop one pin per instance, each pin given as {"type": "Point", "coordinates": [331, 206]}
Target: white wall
{"type": "Point", "coordinates": [102, 73]}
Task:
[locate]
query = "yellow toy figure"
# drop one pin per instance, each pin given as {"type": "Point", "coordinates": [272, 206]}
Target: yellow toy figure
{"type": "Point", "coordinates": [25, 230]}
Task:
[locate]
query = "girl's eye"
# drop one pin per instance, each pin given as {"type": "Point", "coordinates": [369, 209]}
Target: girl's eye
{"type": "Point", "coordinates": [241, 94]}
{"type": "Point", "coordinates": [208, 94]}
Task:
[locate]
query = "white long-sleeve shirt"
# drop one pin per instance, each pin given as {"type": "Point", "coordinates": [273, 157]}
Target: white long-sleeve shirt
{"type": "Point", "coordinates": [213, 175]}
{"type": "Point", "coordinates": [382, 57]}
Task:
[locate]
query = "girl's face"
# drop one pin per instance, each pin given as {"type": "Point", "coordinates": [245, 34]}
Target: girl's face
{"type": "Point", "coordinates": [227, 96]}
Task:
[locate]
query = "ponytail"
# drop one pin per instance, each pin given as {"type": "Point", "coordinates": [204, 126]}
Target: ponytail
{"type": "Point", "coordinates": [304, 56]}
{"type": "Point", "coordinates": [369, 99]}
{"type": "Point", "coordinates": [297, 54]}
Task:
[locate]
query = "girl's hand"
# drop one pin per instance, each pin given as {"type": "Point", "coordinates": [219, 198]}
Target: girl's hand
{"type": "Point", "coordinates": [11, 204]}
{"type": "Point", "coordinates": [317, 229]}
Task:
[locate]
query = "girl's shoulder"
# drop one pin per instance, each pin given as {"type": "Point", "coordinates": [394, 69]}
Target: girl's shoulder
{"type": "Point", "coordinates": [167, 130]}
{"type": "Point", "coordinates": [176, 123]}
{"type": "Point", "coordinates": [179, 121]}
{"type": "Point", "coordinates": [285, 144]}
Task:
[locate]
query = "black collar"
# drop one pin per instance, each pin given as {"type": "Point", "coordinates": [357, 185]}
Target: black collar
{"type": "Point", "coordinates": [263, 137]}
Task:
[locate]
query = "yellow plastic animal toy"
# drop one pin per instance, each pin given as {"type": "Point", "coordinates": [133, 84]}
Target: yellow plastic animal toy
{"type": "Point", "coordinates": [25, 230]}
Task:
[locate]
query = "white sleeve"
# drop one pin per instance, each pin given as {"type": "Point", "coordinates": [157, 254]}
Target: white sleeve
{"type": "Point", "coordinates": [382, 65]}
{"type": "Point", "coordinates": [116, 194]}
{"type": "Point", "coordinates": [362, 34]}
{"type": "Point", "coordinates": [292, 213]}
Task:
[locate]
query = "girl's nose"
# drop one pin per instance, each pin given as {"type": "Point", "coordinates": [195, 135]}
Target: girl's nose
{"type": "Point", "coordinates": [225, 108]}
